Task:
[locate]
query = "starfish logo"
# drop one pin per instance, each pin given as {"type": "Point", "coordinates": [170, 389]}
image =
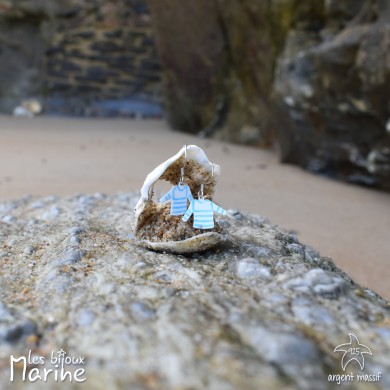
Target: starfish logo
{"type": "Point", "coordinates": [353, 351]}
{"type": "Point", "coordinates": [61, 353]}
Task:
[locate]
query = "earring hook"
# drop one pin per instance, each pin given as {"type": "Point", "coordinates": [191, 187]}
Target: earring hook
{"type": "Point", "coordinates": [201, 193]}
{"type": "Point", "coordinates": [181, 182]}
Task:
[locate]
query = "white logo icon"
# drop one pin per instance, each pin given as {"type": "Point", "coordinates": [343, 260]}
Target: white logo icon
{"type": "Point", "coordinates": [353, 351]}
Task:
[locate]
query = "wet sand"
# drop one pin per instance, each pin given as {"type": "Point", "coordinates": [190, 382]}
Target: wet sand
{"type": "Point", "coordinates": [45, 156]}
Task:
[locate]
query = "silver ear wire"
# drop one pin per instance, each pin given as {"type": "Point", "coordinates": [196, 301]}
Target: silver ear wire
{"type": "Point", "coordinates": [201, 193]}
{"type": "Point", "coordinates": [212, 173]}
{"type": "Point", "coordinates": [181, 182]}
{"type": "Point", "coordinates": [181, 176]}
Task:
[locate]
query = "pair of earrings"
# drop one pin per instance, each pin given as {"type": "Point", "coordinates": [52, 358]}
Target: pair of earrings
{"type": "Point", "coordinates": [202, 209]}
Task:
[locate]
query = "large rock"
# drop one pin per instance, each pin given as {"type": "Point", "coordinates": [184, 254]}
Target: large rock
{"type": "Point", "coordinates": [88, 58]}
{"type": "Point", "coordinates": [335, 85]}
{"type": "Point", "coordinates": [218, 60]}
{"type": "Point", "coordinates": [24, 28]}
{"type": "Point", "coordinates": [262, 311]}
{"type": "Point", "coordinates": [312, 76]}
{"type": "Point", "coordinates": [191, 47]}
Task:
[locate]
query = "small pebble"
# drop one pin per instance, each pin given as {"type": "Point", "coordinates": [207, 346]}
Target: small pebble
{"type": "Point", "coordinates": [74, 231]}
{"type": "Point", "coordinates": [52, 213]}
{"type": "Point", "coordinates": [29, 250]}
{"type": "Point", "coordinates": [38, 205]}
{"type": "Point", "coordinates": [86, 318]}
{"type": "Point", "coordinates": [9, 219]}
{"type": "Point", "coordinates": [75, 240]}
{"type": "Point", "coordinates": [250, 268]}
{"type": "Point", "coordinates": [142, 311]}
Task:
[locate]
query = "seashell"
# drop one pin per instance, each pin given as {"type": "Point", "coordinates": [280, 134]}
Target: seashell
{"type": "Point", "coordinates": [154, 227]}
{"type": "Point", "coordinates": [198, 243]}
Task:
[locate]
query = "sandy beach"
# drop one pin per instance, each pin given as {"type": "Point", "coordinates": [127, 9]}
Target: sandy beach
{"type": "Point", "coordinates": [46, 156]}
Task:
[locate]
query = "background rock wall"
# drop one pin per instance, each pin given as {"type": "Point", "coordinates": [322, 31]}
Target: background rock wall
{"type": "Point", "coordinates": [23, 33]}
{"type": "Point", "coordinates": [312, 75]}
{"type": "Point", "coordinates": [80, 58]}
{"type": "Point", "coordinates": [234, 46]}
{"type": "Point", "coordinates": [335, 86]}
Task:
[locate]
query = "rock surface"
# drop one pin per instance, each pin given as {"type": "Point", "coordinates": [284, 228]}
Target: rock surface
{"type": "Point", "coordinates": [261, 311]}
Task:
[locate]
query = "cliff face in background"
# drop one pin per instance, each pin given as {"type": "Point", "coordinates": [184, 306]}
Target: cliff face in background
{"type": "Point", "coordinates": [334, 87]}
{"type": "Point", "coordinates": [228, 45]}
{"type": "Point", "coordinates": [312, 76]}
{"type": "Point", "coordinates": [93, 58]}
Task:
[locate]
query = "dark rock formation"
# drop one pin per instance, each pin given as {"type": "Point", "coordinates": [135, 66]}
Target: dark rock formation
{"type": "Point", "coordinates": [335, 85]}
{"type": "Point", "coordinates": [192, 51]}
{"type": "Point", "coordinates": [311, 75]}
{"type": "Point", "coordinates": [79, 57]}
{"type": "Point", "coordinates": [23, 31]}
{"type": "Point", "coordinates": [218, 62]}
{"type": "Point", "coordinates": [201, 47]}
{"type": "Point", "coordinates": [262, 311]}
